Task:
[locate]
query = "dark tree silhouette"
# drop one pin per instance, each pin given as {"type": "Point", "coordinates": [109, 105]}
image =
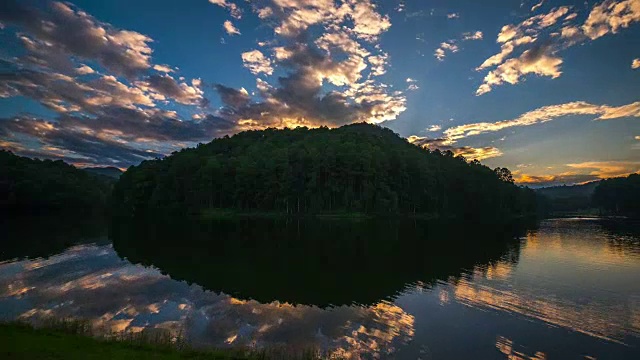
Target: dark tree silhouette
{"type": "Point", "coordinates": [619, 196]}
{"type": "Point", "coordinates": [356, 168]}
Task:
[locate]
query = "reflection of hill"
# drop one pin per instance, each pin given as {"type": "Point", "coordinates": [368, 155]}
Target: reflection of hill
{"type": "Point", "coordinates": [40, 236]}
{"type": "Point", "coordinates": [311, 262]}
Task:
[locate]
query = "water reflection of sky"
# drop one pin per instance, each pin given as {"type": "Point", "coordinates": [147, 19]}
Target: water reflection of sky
{"type": "Point", "coordinates": [89, 281]}
{"type": "Point", "coordinates": [573, 293]}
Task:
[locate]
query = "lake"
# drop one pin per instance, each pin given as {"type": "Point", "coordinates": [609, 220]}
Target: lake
{"type": "Point", "coordinates": [560, 289]}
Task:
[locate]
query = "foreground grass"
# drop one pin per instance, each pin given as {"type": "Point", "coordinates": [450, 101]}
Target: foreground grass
{"type": "Point", "coordinates": [72, 341]}
{"type": "Point", "coordinates": [24, 342]}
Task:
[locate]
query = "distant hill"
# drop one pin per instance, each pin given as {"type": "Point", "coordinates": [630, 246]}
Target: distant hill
{"type": "Point", "coordinates": [32, 186]}
{"type": "Point", "coordinates": [108, 171]}
{"type": "Point", "coordinates": [568, 198]}
{"type": "Point", "coordinates": [564, 191]}
{"type": "Point", "coordinates": [358, 168]}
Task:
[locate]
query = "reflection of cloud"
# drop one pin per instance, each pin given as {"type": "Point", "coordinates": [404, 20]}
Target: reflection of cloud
{"type": "Point", "coordinates": [506, 346]}
{"type": "Point", "coordinates": [92, 282]}
{"type": "Point", "coordinates": [575, 245]}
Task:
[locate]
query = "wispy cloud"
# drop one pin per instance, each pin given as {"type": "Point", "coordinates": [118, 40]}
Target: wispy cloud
{"type": "Point", "coordinates": [542, 58]}
{"type": "Point", "coordinates": [608, 169]}
{"type": "Point", "coordinates": [537, 6]}
{"type": "Point", "coordinates": [234, 10]}
{"type": "Point", "coordinates": [545, 114]}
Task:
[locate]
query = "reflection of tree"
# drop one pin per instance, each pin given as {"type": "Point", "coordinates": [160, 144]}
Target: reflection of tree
{"type": "Point", "coordinates": [47, 235]}
{"type": "Point", "coordinates": [312, 262]}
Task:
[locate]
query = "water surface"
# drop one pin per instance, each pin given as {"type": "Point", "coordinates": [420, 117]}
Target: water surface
{"type": "Point", "coordinates": [567, 289]}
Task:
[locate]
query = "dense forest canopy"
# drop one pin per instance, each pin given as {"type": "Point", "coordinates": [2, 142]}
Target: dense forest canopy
{"type": "Point", "coordinates": [619, 196]}
{"type": "Point", "coordinates": [356, 168]}
{"type": "Point", "coordinates": [30, 186]}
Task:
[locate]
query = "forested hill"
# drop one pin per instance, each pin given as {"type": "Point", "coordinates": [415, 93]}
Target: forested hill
{"type": "Point", "coordinates": [619, 196]}
{"type": "Point", "coordinates": [30, 186]}
{"type": "Point", "coordinates": [357, 168]}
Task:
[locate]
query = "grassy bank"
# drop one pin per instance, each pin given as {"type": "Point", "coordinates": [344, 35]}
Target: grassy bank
{"type": "Point", "coordinates": [224, 214]}
{"type": "Point", "coordinates": [72, 340]}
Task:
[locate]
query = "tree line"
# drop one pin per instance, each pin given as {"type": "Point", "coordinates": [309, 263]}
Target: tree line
{"type": "Point", "coordinates": [356, 168]}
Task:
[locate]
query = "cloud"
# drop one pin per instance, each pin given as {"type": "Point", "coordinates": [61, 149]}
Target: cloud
{"type": "Point", "coordinates": [412, 84]}
{"type": "Point", "coordinates": [608, 169]}
{"type": "Point", "coordinates": [450, 46]}
{"type": "Point", "coordinates": [537, 6]}
{"type": "Point", "coordinates": [472, 36]}
{"type": "Point", "coordinates": [611, 16]}
{"type": "Point", "coordinates": [453, 16]}
{"type": "Point", "coordinates": [568, 178]}
{"type": "Point", "coordinates": [118, 136]}
{"type": "Point", "coordinates": [256, 62]}
{"type": "Point", "coordinates": [505, 50]}
{"type": "Point", "coordinates": [635, 64]}
{"type": "Point", "coordinates": [168, 87]}
{"type": "Point", "coordinates": [84, 70]}
{"type": "Point", "coordinates": [543, 60]}
{"type": "Point", "coordinates": [545, 114]}
{"type": "Point", "coordinates": [317, 43]}
{"type": "Point", "coordinates": [579, 173]}
{"type": "Point", "coordinates": [443, 144]}
{"type": "Point", "coordinates": [230, 28]}
{"type": "Point", "coordinates": [538, 60]}
{"type": "Point", "coordinates": [163, 68]}
{"type": "Point", "coordinates": [129, 104]}
{"type": "Point", "coordinates": [434, 128]}
{"type": "Point", "coordinates": [62, 93]}
{"type": "Point", "coordinates": [65, 30]}
{"type": "Point", "coordinates": [234, 10]}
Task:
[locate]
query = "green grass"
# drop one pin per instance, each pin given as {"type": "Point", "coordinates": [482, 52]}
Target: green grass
{"type": "Point", "coordinates": [72, 339]}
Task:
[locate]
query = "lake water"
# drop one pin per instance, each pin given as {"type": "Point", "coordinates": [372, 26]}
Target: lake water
{"type": "Point", "coordinates": [564, 289]}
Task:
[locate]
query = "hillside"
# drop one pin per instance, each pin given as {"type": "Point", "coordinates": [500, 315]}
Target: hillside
{"type": "Point", "coordinates": [357, 168]}
{"type": "Point", "coordinates": [31, 186]}
{"type": "Point", "coordinates": [619, 196]}
{"type": "Point", "coordinates": [568, 198]}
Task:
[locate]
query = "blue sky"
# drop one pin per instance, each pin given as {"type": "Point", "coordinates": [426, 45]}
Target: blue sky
{"type": "Point", "coordinates": [549, 89]}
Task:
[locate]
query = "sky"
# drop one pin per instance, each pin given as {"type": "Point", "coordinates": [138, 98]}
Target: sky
{"type": "Point", "coordinates": [549, 89]}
